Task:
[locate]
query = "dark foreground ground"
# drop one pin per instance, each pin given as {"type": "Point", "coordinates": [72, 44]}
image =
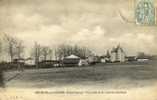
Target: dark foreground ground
{"type": "Point", "coordinates": [100, 75]}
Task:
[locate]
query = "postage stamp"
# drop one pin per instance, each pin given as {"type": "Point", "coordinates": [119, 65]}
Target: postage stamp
{"type": "Point", "coordinates": [145, 12]}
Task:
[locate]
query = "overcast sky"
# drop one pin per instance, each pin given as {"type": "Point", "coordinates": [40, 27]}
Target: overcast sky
{"type": "Point", "coordinates": [93, 23]}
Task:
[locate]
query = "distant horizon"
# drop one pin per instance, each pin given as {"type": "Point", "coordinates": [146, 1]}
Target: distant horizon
{"type": "Point", "coordinates": [28, 50]}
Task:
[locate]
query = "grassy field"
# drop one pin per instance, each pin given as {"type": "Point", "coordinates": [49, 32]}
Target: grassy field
{"type": "Point", "coordinates": [97, 76]}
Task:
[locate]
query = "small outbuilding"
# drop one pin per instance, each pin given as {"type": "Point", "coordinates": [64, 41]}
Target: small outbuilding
{"type": "Point", "coordinates": [71, 60]}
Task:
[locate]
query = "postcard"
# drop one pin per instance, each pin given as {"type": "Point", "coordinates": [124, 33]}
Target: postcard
{"type": "Point", "coordinates": [78, 49]}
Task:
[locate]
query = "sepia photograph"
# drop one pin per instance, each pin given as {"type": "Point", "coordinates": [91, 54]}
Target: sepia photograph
{"type": "Point", "coordinates": [93, 49]}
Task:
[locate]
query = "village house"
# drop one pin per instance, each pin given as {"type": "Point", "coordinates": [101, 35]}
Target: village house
{"type": "Point", "coordinates": [117, 54]}
{"type": "Point", "coordinates": [29, 61]}
{"type": "Point", "coordinates": [92, 59]}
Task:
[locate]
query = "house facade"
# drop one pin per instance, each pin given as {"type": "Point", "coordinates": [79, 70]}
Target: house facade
{"type": "Point", "coordinates": [117, 54]}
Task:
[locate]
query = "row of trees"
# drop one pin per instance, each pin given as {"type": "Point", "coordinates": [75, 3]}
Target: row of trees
{"type": "Point", "coordinates": [15, 49]}
{"type": "Point", "coordinates": [66, 50]}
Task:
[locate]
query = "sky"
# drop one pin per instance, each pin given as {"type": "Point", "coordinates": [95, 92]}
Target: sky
{"type": "Point", "coordinates": [96, 24]}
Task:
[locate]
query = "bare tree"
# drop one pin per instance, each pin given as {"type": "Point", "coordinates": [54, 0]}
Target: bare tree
{"type": "Point", "coordinates": [36, 53]}
{"type": "Point", "coordinates": [50, 54]}
{"type": "Point", "coordinates": [46, 52]}
{"type": "Point", "coordinates": [66, 50]}
{"type": "Point", "coordinates": [19, 49]}
{"type": "Point", "coordinates": [11, 46]}
{"type": "Point", "coordinates": [55, 53]}
{"type": "Point", "coordinates": [107, 54]}
{"type": "Point", "coordinates": [15, 47]}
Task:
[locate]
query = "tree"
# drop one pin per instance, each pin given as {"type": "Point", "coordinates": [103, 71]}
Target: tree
{"type": "Point", "coordinates": [46, 52]}
{"type": "Point", "coordinates": [107, 54]}
{"type": "Point", "coordinates": [11, 46]}
{"type": "Point", "coordinates": [19, 49]}
{"type": "Point", "coordinates": [15, 47]}
{"type": "Point", "coordinates": [66, 50]}
{"type": "Point", "coordinates": [36, 53]}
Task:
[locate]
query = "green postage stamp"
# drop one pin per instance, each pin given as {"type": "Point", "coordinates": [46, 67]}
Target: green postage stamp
{"type": "Point", "coordinates": [145, 12]}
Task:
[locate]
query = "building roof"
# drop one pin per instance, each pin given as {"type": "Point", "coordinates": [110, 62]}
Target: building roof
{"type": "Point", "coordinates": [116, 49]}
{"type": "Point", "coordinates": [72, 57]}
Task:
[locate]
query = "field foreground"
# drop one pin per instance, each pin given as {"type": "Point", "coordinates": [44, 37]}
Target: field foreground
{"type": "Point", "coordinates": [103, 82]}
{"type": "Point", "coordinates": [98, 76]}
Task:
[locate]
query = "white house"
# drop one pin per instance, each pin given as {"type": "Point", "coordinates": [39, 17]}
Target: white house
{"type": "Point", "coordinates": [117, 54]}
{"type": "Point", "coordinates": [29, 61]}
